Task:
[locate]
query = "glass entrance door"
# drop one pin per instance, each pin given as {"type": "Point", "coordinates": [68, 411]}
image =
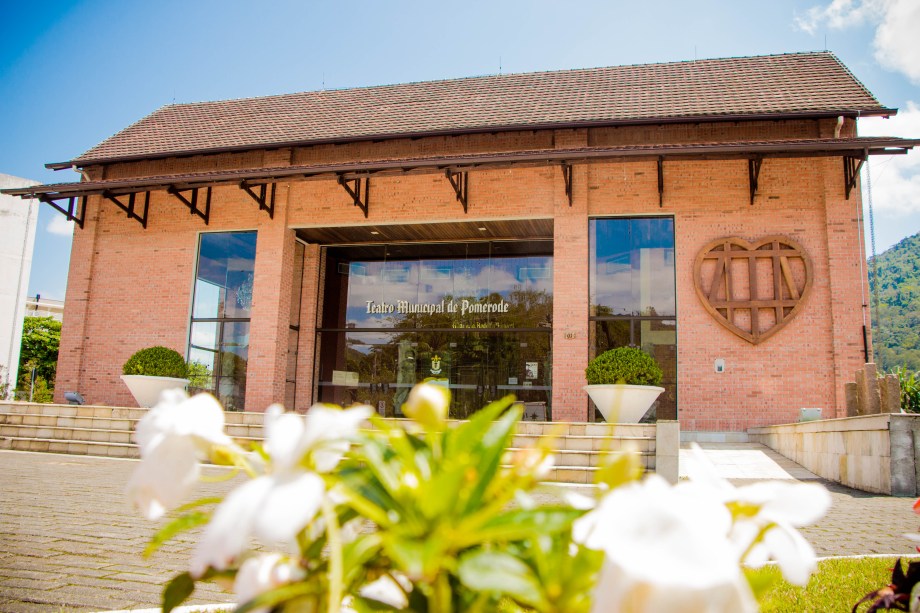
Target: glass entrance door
{"type": "Point", "coordinates": [479, 324]}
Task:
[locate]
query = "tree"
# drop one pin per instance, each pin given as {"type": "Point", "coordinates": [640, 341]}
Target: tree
{"type": "Point", "coordinates": [41, 338]}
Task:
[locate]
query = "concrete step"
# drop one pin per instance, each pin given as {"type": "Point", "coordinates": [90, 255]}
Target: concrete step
{"type": "Point", "coordinates": [112, 450]}
{"type": "Point", "coordinates": [579, 448]}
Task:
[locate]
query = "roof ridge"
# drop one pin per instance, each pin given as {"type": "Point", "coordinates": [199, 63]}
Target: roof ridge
{"type": "Point", "coordinates": [502, 75]}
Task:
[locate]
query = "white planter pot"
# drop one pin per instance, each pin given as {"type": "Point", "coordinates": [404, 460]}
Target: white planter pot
{"type": "Point", "coordinates": [147, 389]}
{"type": "Point", "coordinates": [624, 404]}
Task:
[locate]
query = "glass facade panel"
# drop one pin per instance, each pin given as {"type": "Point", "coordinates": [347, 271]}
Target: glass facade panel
{"type": "Point", "coordinates": [632, 293]}
{"type": "Point", "coordinates": [479, 323]}
{"type": "Point", "coordinates": [219, 332]}
{"type": "Point", "coordinates": [632, 267]}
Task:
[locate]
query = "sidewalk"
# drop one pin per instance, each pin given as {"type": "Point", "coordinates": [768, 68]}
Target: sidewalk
{"type": "Point", "coordinates": [69, 541]}
{"type": "Point", "coordinates": [858, 522]}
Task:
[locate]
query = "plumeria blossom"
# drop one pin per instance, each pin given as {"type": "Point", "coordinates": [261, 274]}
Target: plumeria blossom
{"type": "Point", "coordinates": [263, 573]}
{"type": "Point", "coordinates": [276, 506]}
{"type": "Point", "coordinates": [173, 437]}
{"type": "Point", "coordinates": [666, 549]}
{"type": "Point", "coordinates": [766, 515]}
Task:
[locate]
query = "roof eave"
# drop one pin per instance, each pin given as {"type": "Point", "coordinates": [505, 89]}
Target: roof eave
{"type": "Point", "coordinates": [855, 113]}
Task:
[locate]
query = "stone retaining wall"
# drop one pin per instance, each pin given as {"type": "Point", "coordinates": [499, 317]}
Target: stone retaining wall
{"type": "Point", "coordinates": [874, 453]}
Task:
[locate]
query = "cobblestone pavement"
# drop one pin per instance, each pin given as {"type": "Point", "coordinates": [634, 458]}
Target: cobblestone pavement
{"type": "Point", "coordinates": [69, 541]}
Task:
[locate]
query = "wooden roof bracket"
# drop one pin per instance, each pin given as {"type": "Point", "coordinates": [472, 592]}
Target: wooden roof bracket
{"type": "Point", "coordinates": [131, 209]}
{"type": "Point", "coordinates": [459, 180]}
{"type": "Point", "coordinates": [193, 203]}
{"type": "Point", "coordinates": [660, 181]}
{"type": "Point", "coordinates": [265, 200]}
{"type": "Point", "coordinates": [355, 191]}
{"type": "Point", "coordinates": [71, 211]}
{"type": "Point", "coordinates": [851, 167]}
{"type": "Point", "coordinates": [754, 165]}
{"type": "Point", "coordinates": [567, 177]}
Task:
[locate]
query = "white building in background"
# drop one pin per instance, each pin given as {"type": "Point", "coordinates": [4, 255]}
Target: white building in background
{"type": "Point", "coordinates": [18, 221]}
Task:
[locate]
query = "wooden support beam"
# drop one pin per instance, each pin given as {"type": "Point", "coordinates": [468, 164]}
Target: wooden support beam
{"type": "Point", "coordinates": [851, 168]}
{"type": "Point", "coordinates": [265, 200]}
{"type": "Point", "coordinates": [754, 165]}
{"type": "Point", "coordinates": [192, 203]}
{"type": "Point", "coordinates": [71, 211]}
{"type": "Point", "coordinates": [459, 180]}
{"type": "Point", "coordinates": [353, 187]}
{"type": "Point", "coordinates": [660, 181]}
{"type": "Point", "coordinates": [567, 177]}
{"type": "Point", "coordinates": [130, 208]}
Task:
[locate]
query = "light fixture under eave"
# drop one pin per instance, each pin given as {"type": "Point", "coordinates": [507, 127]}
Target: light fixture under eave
{"type": "Point", "coordinates": [482, 229]}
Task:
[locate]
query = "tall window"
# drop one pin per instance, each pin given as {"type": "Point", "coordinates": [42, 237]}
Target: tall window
{"type": "Point", "coordinates": [632, 294]}
{"type": "Point", "coordinates": [219, 337]}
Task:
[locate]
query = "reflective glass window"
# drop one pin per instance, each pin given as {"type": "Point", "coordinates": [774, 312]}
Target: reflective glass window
{"type": "Point", "coordinates": [219, 333]}
{"type": "Point", "coordinates": [632, 295]}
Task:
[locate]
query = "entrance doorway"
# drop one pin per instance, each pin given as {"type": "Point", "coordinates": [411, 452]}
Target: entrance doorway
{"type": "Point", "coordinates": [475, 317]}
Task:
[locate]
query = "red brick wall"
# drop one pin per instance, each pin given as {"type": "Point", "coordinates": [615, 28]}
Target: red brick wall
{"type": "Point", "coordinates": [130, 288]}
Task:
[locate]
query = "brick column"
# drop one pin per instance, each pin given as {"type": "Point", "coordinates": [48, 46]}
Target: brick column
{"type": "Point", "coordinates": [309, 312]}
{"type": "Point", "coordinates": [271, 308]}
{"type": "Point", "coordinates": [570, 288]}
{"type": "Point", "coordinates": [847, 280]}
{"type": "Point", "coordinates": [70, 373]}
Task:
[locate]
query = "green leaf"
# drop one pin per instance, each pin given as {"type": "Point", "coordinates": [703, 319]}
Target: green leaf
{"type": "Point", "coordinates": [502, 573]}
{"type": "Point", "coordinates": [619, 469]}
{"type": "Point", "coordinates": [176, 526]}
{"type": "Point", "coordinates": [368, 605]}
{"type": "Point", "coordinates": [177, 591]}
{"type": "Point", "coordinates": [493, 445]}
{"type": "Point", "coordinates": [519, 525]}
{"type": "Point", "coordinates": [357, 553]}
{"type": "Point", "coordinates": [272, 598]}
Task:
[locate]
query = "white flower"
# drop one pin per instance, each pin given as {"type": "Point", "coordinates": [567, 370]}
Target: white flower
{"type": "Point", "coordinates": [172, 437]}
{"type": "Point", "coordinates": [428, 405]}
{"type": "Point", "coordinates": [325, 434]}
{"type": "Point", "coordinates": [782, 507]}
{"type": "Point", "coordinates": [263, 573]}
{"type": "Point", "coordinates": [667, 549]}
{"type": "Point", "coordinates": [275, 507]}
{"type": "Point", "coordinates": [387, 591]}
{"type": "Point", "coordinates": [770, 511]}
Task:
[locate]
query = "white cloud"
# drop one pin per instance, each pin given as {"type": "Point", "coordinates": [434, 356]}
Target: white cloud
{"type": "Point", "coordinates": [897, 23]}
{"type": "Point", "coordinates": [896, 178]}
{"type": "Point", "coordinates": [60, 225]}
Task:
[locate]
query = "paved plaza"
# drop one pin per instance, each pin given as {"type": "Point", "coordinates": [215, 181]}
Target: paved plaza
{"type": "Point", "coordinates": [70, 542]}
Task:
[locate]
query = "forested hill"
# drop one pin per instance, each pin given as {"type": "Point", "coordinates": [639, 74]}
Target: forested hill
{"type": "Point", "coordinates": [896, 334]}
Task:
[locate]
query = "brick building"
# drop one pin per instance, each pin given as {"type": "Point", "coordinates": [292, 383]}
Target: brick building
{"type": "Point", "coordinates": [493, 232]}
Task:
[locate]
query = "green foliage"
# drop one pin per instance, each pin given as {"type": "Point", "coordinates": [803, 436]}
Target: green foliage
{"type": "Point", "coordinates": [896, 334]}
{"type": "Point", "coordinates": [199, 375]}
{"type": "Point", "coordinates": [910, 390]}
{"type": "Point", "coordinates": [441, 503]}
{"type": "Point", "coordinates": [40, 392]}
{"type": "Point", "coordinates": [4, 385]}
{"type": "Point", "coordinates": [836, 586]}
{"type": "Point", "coordinates": [41, 338]}
{"type": "Point", "coordinates": [156, 362]}
{"type": "Point", "coordinates": [628, 365]}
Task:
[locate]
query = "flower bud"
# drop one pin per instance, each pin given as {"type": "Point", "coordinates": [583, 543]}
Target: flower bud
{"type": "Point", "coordinates": [427, 405]}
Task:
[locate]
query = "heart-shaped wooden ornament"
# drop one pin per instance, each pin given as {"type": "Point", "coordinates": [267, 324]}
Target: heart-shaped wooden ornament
{"type": "Point", "coordinates": [753, 289]}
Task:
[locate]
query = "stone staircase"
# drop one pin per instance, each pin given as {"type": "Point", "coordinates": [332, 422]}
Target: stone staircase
{"type": "Point", "coordinates": [108, 431]}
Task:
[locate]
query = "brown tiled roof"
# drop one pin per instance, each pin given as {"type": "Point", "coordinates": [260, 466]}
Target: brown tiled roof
{"type": "Point", "coordinates": [773, 85]}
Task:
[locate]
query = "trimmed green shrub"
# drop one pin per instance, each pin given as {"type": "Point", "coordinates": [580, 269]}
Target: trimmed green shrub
{"type": "Point", "coordinates": [156, 362]}
{"type": "Point", "coordinates": [628, 365]}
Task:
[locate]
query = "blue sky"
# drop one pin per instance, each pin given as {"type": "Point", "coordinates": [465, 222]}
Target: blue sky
{"type": "Point", "coordinates": [74, 73]}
